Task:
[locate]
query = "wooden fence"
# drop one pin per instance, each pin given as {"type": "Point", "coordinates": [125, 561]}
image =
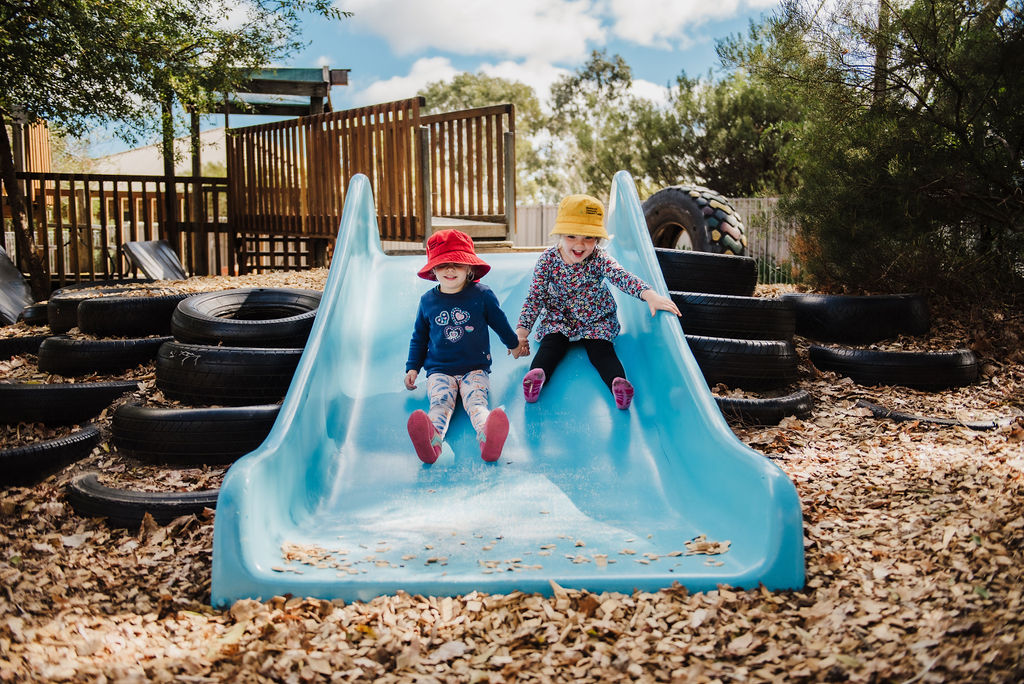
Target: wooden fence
{"type": "Point", "coordinates": [289, 178]}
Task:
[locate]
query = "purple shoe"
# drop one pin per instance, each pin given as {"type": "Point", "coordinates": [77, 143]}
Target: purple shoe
{"type": "Point", "coordinates": [622, 390]}
{"type": "Point", "coordinates": [495, 432]}
{"type": "Point", "coordinates": [424, 436]}
{"type": "Point", "coordinates": [532, 383]}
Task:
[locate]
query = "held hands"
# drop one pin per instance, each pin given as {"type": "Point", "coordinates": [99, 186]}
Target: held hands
{"type": "Point", "coordinates": [410, 380]}
{"type": "Point", "coordinates": [656, 302]}
{"type": "Point", "coordinates": [524, 344]}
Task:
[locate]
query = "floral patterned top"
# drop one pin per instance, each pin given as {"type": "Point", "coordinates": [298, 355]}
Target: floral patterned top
{"type": "Point", "coordinates": [573, 299]}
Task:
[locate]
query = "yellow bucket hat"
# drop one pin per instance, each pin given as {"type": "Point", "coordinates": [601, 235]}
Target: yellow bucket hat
{"type": "Point", "coordinates": [580, 215]}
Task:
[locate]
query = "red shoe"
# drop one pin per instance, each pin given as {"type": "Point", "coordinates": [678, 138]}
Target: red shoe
{"type": "Point", "coordinates": [532, 384]}
{"type": "Point", "coordinates": [495, 432]}
{"type": "Point", "coordinates": [424, 436]}
{"type": "Point", "coordinates": [622, 390]}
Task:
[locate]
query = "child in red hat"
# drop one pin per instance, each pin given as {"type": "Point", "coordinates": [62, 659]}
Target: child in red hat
{"type": "Point", "coordinates": [450, 341]}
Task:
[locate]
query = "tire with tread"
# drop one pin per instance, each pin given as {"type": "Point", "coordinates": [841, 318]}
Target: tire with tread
{"type": "Point", "coordinates": [767, 411]}
{"type": "Point", "coordinates": [200, 374]}
{"type": "Point", "coordinates": [858, 319]}
{"type": "Point", "coordinates": [59, 403]}
{"type": "Point", "coordinates": [128, 316]}
{"type": "Point", "coordinates": [69, 356]}
{"type": "Point", "coordinates": [32, 462]}
{"type": "Point", "coordinates": [686, 271]}
{"type": "Point", "coordinates": [744, 363]}
{"type": "Point", "coordinates": [748, 318]}
{"type": "Point", "coordinates": [16, 346]}
{"type": "Point", "coordinates": [920, 370]}
{"type": "Point", "coordinates": [694, 217]}
{"type": "Point", "coordinates": [247, 317]}
{"type": "Point", "coordinates": [126, 507]}
{"type": "Point", "coordinates": [191, 435]}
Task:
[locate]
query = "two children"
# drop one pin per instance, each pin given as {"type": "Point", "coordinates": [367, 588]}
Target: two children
{"type": "Point", "coordinates": [567, 294]}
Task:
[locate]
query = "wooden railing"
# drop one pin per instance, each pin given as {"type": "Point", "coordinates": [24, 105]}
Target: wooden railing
{"type": "Point", "coordinates": [289, 178]}
{"type": "Point", "coordinates": [80, 221]}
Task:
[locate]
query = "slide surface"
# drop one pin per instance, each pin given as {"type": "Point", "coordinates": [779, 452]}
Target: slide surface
{"type": "Point", "coordinates": [335, 504]}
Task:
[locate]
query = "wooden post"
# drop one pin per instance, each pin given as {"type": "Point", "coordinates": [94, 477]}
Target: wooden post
{"type": "Point", "coordinates": [510, 185]}
{"type": "Point", "coordinates": [201, 248]}
{"type": "Point", "coordinates": [426, 190]}
{"type": "Point", "coordinates": [169, 229]}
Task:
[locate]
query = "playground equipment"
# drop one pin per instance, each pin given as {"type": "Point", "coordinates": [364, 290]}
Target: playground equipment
{"type": "Point", "coordinates": [335, 504]}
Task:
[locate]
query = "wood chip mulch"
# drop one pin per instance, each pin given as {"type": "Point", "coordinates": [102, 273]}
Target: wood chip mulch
{"type": "Point", "coordinates": [914, 539]}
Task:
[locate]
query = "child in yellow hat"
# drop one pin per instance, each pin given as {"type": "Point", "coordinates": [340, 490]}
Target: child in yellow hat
{"type": "Point", "coordinates": [450, 341]}
{"type": "Point", "coordinates": [569, 296]}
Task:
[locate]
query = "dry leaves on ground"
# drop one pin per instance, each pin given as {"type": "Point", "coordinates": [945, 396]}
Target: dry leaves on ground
{"type": "Point", "coordinates": [914, 539]}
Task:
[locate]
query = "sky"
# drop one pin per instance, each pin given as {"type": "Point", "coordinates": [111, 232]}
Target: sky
{"type": "Point", "coordinates": [396, 47]}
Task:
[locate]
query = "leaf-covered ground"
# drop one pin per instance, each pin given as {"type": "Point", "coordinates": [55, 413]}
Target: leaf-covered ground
{"type": "Point", "coordinates": [914, 538]}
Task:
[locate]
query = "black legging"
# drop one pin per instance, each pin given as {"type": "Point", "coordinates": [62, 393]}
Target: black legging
{"type": "Point", "coordinates": [554, 346]}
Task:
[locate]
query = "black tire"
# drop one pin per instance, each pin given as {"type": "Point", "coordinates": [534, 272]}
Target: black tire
{"type": "Point", "coordinates": [744, 363]}
{"type": "Point", "coordinates": [200, 374]}
{"type": "Point", "coordinates": [708, 273]}
{"type": "Point", "coordinates": [191, 436]}
{"type": "Point", "coordinates": [15, 346]}
{"type": "Point", "coordinates": [34, 314]}
{"type": "Point", "coordinates": [58, 404]}
{"type": "Point", "coordinates": [30, 463]}
{"type": "Point", "coordinates": [248, 317]}
{"type": "Point", "coordinates": [859, 319]}
{"type": "Point", "coordinates": [128, 316]}
{"type": "Point", "coordinates": [126, 508]}
{"type": "Point", "coordinates": [748, 318]}
{"type": "Point", "coordinates": [920, 370]}
{"type": "Point", "coordinates": [696, 218]}
{"type": "Point", "coordinates": [766, 411]}
{"type": "Point", "coordinates": [67, 356]}
{"type": "Point", "coordinates": [62, 307]}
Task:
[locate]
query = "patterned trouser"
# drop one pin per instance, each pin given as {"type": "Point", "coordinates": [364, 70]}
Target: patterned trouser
{"type": "Point", "coordinates": [474, 387]}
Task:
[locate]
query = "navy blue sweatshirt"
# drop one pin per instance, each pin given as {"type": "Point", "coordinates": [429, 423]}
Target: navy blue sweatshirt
{"type": "Point", "coordinates": [451, 335]}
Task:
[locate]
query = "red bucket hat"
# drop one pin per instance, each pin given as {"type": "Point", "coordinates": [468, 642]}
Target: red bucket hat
{"type": "Point", "coordinates": [452, 247]}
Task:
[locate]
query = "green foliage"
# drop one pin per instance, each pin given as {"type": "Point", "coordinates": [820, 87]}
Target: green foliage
{"type": "Point", "coordinates": [910, 155]}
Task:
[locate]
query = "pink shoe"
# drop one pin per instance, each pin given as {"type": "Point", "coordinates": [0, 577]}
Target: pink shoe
{"type": "Point", "coordinates": [532, 383]}
{"type": "Point", "coordinates": [495, 432]}
{"type": "Point", "coordinates": [622, 390]}
{"type": "Point", "coordinates": [424, 436]}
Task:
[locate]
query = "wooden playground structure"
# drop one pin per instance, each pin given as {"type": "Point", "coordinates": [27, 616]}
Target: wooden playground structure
{"type": "Point", "coordinates": [280, 205]}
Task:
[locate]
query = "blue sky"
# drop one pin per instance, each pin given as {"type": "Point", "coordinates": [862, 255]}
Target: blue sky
{"type": "Point", "coordinates": [395, 47]}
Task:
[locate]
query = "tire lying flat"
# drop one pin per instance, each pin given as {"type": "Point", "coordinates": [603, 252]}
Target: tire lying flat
{"type": "Point", "coordinates": [769, 411]}
{"type": "Point", "coordinates": [247, 317]}
{"type": "Point", "coordinates": [199, 374]}
{"type": "Point", "coordinates": [16, 346]}
{"type": "Point", "coordinates": [852, 319]}
{"type": "Point", "coordinates": [744, 363]}
{"type": "Point", "coordinates": [126, 508]}
{"type": "Point", "coordinates": [191, 435]}
{"type": "Point", "coordinates": [686, 271]}
{"type": "Point", "coordinates": [58, 404]}
{"type": "Point", "coordinates": [68, 356]}
{"type": "Point", "coordinates": [748, 318]}
{"type": "Point", "coordinates": [920, 370]}
{"type": "Point", "coordinates": [30, 463]}
{"type": "Point", "coordinates": [128, 316]}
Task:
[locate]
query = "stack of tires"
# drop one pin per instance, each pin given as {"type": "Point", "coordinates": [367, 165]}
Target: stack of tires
{"type": "Point", "coordinates": [230, 359]}
{"type": "Point", "coordinates": [122, 327]}
{"type": "Point", "coordinates": [861, 320]}
{"type": "Point", "coordinates": [737, 339]}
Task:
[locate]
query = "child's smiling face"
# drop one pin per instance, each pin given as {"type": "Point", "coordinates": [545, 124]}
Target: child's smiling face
{"type": "Point", "coordinates": [576, 248]}
{"type": "Point", "coordinates": [452, 277]}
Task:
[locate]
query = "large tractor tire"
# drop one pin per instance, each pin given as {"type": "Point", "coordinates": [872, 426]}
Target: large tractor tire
{"type": "Point", "coordinates": [696, 218]}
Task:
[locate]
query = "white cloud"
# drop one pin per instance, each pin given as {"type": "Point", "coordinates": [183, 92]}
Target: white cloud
{"type": "Point", "coordinates": [548, 30]}
{"type": "Point", "coordinates": [534, 73]}
{"type": "Point", "coordinates": [657, 94]}
{"type": "Point", "coordinates": [423, 71]}
{"type": "Point", "coordinates": [665, 23]}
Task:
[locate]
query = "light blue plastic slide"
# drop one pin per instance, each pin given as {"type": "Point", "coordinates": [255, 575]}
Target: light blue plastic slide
{"type": "Point", "coordinates": [335, 504]}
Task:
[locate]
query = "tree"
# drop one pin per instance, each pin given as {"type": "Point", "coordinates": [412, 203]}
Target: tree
{"type": "Point", "coordinates": [732, 135]}
{"type": "Point", "coordinates": [80, 63]}
{"type": "Point", "coordinates": [469, 91]}
{"type": "Point", "coordinates": [911, 154]}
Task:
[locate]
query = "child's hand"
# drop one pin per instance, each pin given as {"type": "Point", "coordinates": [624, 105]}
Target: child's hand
{"type": "Point", "coordinates": [522, 350]}
{"type": "Point", "coordinates": [658, 303]}
{"type": "Point", "coordinates": [410, 380]}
